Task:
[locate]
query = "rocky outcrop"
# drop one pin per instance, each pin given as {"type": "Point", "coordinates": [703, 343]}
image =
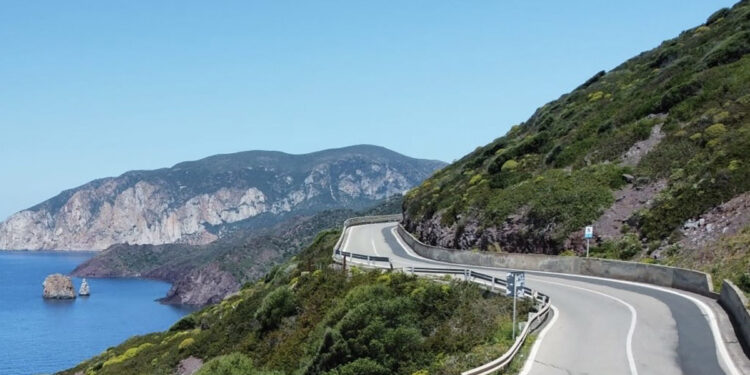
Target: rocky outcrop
{"type": "Point", "coordinates": [198, 202]}
{"type": "Point", "coordinates": [58, 286]}
{"type": "Point", "coordinates": [200, 286]}
{"type": "Point", "coordinates": [517, 234]}
{"type": "Point", "coordinates": [84, 291]}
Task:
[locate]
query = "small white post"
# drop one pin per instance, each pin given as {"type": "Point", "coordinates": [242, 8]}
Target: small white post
{"type": "Point", "coordinates": [514, 308]}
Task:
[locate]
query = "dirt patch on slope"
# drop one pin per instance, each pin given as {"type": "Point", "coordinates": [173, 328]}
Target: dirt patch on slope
{"type": "Point", "coordinates": [628, 200]}
{"type": "Point", "coordinates": [724, 220]}
{"type": "Point", "coordinates": [641, 148]}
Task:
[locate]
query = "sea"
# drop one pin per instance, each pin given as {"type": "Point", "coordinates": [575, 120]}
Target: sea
{"type": "Point", "coordinates": [39, 336]}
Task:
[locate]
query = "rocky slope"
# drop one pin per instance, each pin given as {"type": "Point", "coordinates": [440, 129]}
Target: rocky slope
{"type": "Point", "coordinates": [638, 151]}
{"type": "Point", "coordinates": [200, 201]}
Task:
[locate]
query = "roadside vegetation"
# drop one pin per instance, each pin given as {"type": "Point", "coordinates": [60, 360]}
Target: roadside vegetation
{"type": "Point", "coordinates": [305, 317]}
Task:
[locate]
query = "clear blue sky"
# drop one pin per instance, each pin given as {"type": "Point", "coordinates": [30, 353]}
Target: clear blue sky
{"type": "Point", "coordinates": [91, 89]}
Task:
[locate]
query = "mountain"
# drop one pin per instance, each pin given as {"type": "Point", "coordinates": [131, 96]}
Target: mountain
{"type": "Point", "coordinates": [198, 202]}
{"type": "Point", "coordinates": [653, 154]}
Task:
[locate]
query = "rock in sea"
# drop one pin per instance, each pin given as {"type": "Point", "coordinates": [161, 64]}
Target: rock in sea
{"type": "Point", "coordinates": [58, 286]}
{"type": "Point", "coordinates": [84, 291]}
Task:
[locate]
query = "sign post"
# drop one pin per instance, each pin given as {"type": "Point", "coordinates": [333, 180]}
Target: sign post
{"type": "Point", "coordinates": [514, 286]}
{"type": "Point", "coordinates": [588, 234]}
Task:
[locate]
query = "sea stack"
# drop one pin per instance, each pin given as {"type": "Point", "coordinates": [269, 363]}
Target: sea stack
{"type": "Point", "coordinates": [84, 291]}
{"type": "Point", "coordinates": [58, 286]}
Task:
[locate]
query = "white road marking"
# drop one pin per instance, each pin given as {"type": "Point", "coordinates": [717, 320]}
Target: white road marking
{"type": "Point", "coordinates": [348, 237]}
{"type": "Point", "coordinates": [721, 349]}
{"type": "Point", "coordinates": [374, 248]}
{"type": "Point", "coordinates": [633, 319]}
{"type": "Point", "coordinates": [538, 343]}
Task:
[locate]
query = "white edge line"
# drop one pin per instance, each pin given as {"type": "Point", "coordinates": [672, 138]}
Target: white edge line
{"type": "Point", "coordinates": [348, 237]}
{"type": "Point", "coordinates": [633, 319]}
{"type": "Point", "coordinates": [538, 343]}
{"type": "Point", "coordinates": [375, 249]}
{"type": "Point", "coordinates": [710, 316]}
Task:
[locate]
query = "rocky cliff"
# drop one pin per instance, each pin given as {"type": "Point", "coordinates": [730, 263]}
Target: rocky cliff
{"type": "Point", "coordinates": [200, 201]}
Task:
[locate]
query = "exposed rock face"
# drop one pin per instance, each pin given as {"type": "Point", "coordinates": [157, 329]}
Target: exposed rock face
{"type": "Point", "coordinates": [58, 286]}
{"type": "Point", "coordinates": [189, 366]}
{"type": "Point", "coordinates": [517, 234]}
{"type": "Point", "coordinates": [201, 286]}
{"type": "Point", "coordinates": [196, 202]}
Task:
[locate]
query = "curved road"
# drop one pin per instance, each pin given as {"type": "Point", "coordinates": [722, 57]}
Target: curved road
{"type": "Point", "coordinates": [600, 326]}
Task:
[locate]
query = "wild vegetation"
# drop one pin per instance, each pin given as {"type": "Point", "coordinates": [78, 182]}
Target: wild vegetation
{"type": "Point", "coordinates": [305, 317]}
{"type": "Point", "coordinates": [532, 190]}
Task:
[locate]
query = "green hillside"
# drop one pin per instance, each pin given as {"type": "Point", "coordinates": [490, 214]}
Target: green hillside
{"type": "Point", "coordinates": [306, 317]}
{"type": "Point", "coordinates": [672, 121]}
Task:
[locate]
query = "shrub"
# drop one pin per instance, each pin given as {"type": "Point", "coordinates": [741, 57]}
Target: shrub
{"type": "Point", "coordinates": [231, 364]}
{"type": "Point", "coordinates": [715, 130]}
{"type": "Point", "coordinates": [509, 166]}
{"type": "Point", "coordinates": [185, 343]}
{"type": "Point", "coordinates": [729, 50]}
{"type": "Point", "coordinates": [361, 366]}
{"type": "Point", "coordinates": [702, 29]}
{"type": "Point", "coordinates": [128, 354]}
{"type": "Point", "coordinates": [716, 16]}
{"type": "Point", "coordinates": [276, 305]}
{"type": "Point", "coordinates": [677, 94]}
{"type": "Point", "coordinates": [594, 96]}
{"type": "Point", "coordinates": [184, 324]}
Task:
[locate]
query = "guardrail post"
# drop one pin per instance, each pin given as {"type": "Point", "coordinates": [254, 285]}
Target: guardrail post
{"type": "Point", "coordinates": [368, 261]}
{"type": "Point", "coordinates": [492, 287]}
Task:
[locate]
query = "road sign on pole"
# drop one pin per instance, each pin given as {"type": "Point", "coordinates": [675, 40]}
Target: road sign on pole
{"type": "Point", "coordinates": [514, 287]}
{"type": "Point", "coordinates": [588, 234]}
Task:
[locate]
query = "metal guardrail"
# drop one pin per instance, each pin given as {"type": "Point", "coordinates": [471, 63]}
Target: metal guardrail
{"type": "Point", "coordinates": [368, 258]}
{"type": "Point", "coordinates": [469, 275]}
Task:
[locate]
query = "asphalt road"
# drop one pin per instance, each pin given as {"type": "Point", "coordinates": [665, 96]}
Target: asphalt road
{"type": "Point", "coordinates": [600, 326]}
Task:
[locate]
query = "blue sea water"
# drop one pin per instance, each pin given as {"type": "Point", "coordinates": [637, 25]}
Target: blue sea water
{"type": "Point", "coordinates": [40, 336]}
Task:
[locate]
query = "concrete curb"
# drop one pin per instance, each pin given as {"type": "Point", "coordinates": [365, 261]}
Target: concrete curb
{"type": "Point", "coordinates": [672, 277]}
{"type": "Point", "coordinates": [733, 300]}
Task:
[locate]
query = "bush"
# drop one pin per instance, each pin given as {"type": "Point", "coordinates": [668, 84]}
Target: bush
{"type": "Point", "coordinates": [509, 166]}
{"type": "Point", "coordinates": [184, 324]}
{"type": "Point", "coordinates": [677, 94]}
{"type": "Point", "coordinates": [185, 343]}
{"type": "Point", "coordinates": [277, 305]}
{"type": "Point", "coordinates": [719, 14]}
{"type": "Point", "coordinates": [729, 50]}
{"type": "Point", "coordinates": [715, 130]}
{"type": "Point", "coordinates": [232, 364]}
{"type": "Point", "coordinates": [362, 366]}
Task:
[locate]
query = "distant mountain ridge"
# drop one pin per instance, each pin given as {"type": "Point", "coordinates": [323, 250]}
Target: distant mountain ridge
{"type": "Point", "coordinates": [197, 202]}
